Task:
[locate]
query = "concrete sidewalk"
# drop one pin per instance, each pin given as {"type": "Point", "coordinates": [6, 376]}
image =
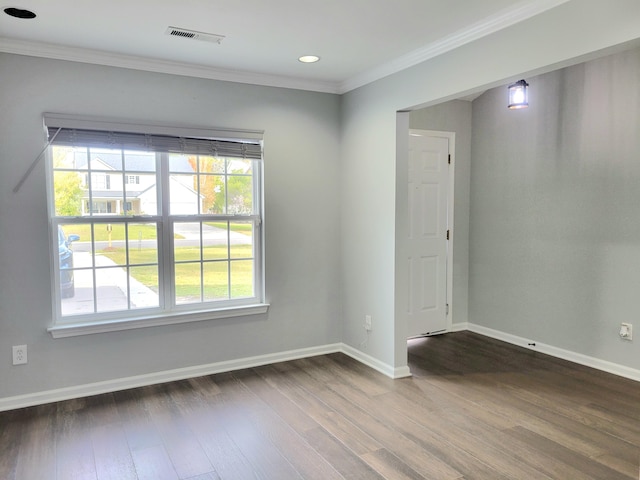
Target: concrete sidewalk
{"type": "Point", "coordinates": [111, 288]}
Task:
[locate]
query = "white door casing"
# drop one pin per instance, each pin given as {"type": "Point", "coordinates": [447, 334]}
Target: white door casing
{"type": "Point", "coordinates": [429, 224]}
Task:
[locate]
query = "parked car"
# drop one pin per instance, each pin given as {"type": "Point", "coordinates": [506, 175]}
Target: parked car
{"type": "Point", "coordinates": [67, 287]}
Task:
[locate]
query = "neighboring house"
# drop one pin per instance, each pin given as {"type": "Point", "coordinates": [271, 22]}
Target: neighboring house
{"type": "Point", "coordinates": [133, 190]}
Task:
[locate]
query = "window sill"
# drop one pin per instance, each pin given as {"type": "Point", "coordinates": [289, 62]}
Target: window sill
{"type": "Point", "coordinates": [88, 328]}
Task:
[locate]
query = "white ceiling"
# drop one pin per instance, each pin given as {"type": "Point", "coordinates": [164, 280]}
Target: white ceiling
{"type": "Point", "coordinates": [358, 41]}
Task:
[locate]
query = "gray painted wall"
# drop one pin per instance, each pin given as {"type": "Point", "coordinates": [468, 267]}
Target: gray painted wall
{"type": "Point", "coordinates": [572, 31]}
{"type": "Point", "coordinates": [555, 209]}
{"type": "Point", "coordinates": [302, 229]}
{"type": "Point", "coordinates": [330, 195]}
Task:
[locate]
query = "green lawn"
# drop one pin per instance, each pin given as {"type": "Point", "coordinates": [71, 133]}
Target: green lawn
{"type": "Point", "coordinates": [215, 274]}
{"type": "Point", "coordinates": [139, 231]}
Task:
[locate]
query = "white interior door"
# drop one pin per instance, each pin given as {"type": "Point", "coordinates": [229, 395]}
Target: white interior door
{"type": "Point", "coordinates": [427, 232]}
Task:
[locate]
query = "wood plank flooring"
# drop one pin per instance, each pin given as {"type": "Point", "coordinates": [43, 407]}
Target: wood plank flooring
{"type": "Point", "coordinates": [475, 408]}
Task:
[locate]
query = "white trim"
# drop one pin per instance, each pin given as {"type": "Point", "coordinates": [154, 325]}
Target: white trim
{"type": "Point", "coordinates": [507, 17]}
{"type": "Point", "coordinates": [115, 325]}
{"type": "Point", "coordinates": [574, 357]}
{"type": "Point", "coordinates": [97, 388]}
{"type": "Point", "coordinates": [451, 138]}
{"type": "Point", "coordinates": [48, 396]}
{"type": "Point", "coordinates": [459, 327]}
{"type": "Point", "coordinates": [402, 224]}
{"type": "Point", "coordinates": [99, 57]}
{"type": "Point", "coordinates": [451, 224]}
{"type": "Point", "coordinates": [388, 370]}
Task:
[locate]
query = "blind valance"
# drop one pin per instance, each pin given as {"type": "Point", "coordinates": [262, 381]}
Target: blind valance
{"type": "Point", "coordinates": [152, 138]}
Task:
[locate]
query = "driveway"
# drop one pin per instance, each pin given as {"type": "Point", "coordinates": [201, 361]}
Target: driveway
{"type": "Point", "coordinates": [212, 235]}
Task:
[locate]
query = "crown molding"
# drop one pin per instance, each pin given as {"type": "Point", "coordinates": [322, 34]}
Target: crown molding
{"type": "Point", "coordinates": [510, 16]}
{"type": "Point", "coordinates": [99, 57]}
{"type": "Point", "coordinates": [506, 18]}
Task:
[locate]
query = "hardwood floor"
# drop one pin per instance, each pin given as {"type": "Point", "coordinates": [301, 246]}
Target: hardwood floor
{"type": "Point", "coordinates": [475, 408]}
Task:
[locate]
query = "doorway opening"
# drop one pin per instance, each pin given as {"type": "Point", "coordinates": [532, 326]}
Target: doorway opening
{"type": "Point", "coordinates": [429, 231]}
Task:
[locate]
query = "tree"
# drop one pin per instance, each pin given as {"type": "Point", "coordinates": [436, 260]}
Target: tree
{"type": "Point", "coordinates": [211, 187]}
{"type": "Point", "coordinates": [67, 186]}
{"type": "Point", "coordinates": [240, 188]}
{"type": "Point", "coordinates": [237, 193]}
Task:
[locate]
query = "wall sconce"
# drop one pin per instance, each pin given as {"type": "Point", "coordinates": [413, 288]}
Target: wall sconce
{"type": "Point", "coordinates": [518, 95]}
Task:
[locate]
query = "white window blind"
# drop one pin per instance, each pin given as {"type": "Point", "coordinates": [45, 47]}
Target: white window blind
{"type": "Point", "coordinates": [68, 130]}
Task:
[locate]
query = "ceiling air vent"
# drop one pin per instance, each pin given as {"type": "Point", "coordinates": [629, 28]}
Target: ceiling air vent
{"type": "Point", "coordinates": [192, 34]}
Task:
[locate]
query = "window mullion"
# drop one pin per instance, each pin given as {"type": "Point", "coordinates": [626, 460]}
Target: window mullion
{"type": "Point", "coordinates": [226, 186]}
{"type": "Point", "coordinates": [128, 263]}
{"type": "Point", "coordinates": [93, 268]}
{"type": "Point", "coordinates": [166, 247]}
{"type": "Point", "coordinates": [89, 181]}
{"type": "Point", "coordinates": [123, 173]}
{"type": "Point", "coordinates": [127, 266]}
{"type": "Point", "coordinates": [229, 285]}
{"type": "Point", "coordinates": [201, 261]}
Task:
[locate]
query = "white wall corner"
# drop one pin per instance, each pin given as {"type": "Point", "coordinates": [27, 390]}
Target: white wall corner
{"type": "Point", "coordinates": [460, 327]}
{"type": "Point", "coordinates": [385, 369]}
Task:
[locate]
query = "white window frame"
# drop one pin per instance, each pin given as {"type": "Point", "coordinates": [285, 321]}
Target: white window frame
{"type": "Point", "coordinates": [168, 312]}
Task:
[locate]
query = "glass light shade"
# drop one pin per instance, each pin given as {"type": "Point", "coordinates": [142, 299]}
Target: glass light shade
{"type": "Point", "coordinates": [518, 95]}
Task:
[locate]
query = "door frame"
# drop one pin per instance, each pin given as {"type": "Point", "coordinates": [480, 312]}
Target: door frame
{"type": "Point", "coordinates": [451, 136]}
{"type": "Point", "coordinates": [402, 207]}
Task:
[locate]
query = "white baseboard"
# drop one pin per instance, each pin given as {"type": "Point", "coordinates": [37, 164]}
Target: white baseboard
{"type": "Point", "coordinates": [388, 370]}
{"type": "Point", "coordinates": [49, 396]}
{"type": "Point", "coordinates": [459, 327]}
{"type": "Point", "coordinates": [39, 398]}
{"type": "Point", "coordinates": [574, 357]}
{"type": "Point", "coordinates": [57, 395]}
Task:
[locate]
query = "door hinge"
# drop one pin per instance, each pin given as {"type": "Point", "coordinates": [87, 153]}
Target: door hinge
{"type": "Point", "coordinates": [447, 309]}
{"type": "Point", "coordinates": [447, 234]}
{"type": "Point", "coordinates": [449, 161]}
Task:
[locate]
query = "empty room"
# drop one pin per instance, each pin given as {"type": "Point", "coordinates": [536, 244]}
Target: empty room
{"type": "Point", "coordinates": [320, 240]}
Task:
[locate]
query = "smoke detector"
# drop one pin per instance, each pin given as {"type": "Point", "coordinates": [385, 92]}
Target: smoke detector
{"type": "Point", "coordinates": [193, 35]}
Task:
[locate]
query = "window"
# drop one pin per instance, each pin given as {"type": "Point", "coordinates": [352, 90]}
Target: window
{"type": "Point", "coordinates": [153, 228]}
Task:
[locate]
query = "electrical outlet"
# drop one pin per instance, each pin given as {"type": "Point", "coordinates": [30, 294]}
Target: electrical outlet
{"type": "Point", "coordinates": [367, 323]}
{"type": "Point", "coordinates": [626, 331]}
{"type": "Point", "coordinates": [19, 354]}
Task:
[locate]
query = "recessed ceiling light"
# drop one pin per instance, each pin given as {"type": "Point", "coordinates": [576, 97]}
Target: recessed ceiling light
{"type": "Point", "coordinates": [309, 58]}
{"type": "Point", "coordinates": [19, 13]}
